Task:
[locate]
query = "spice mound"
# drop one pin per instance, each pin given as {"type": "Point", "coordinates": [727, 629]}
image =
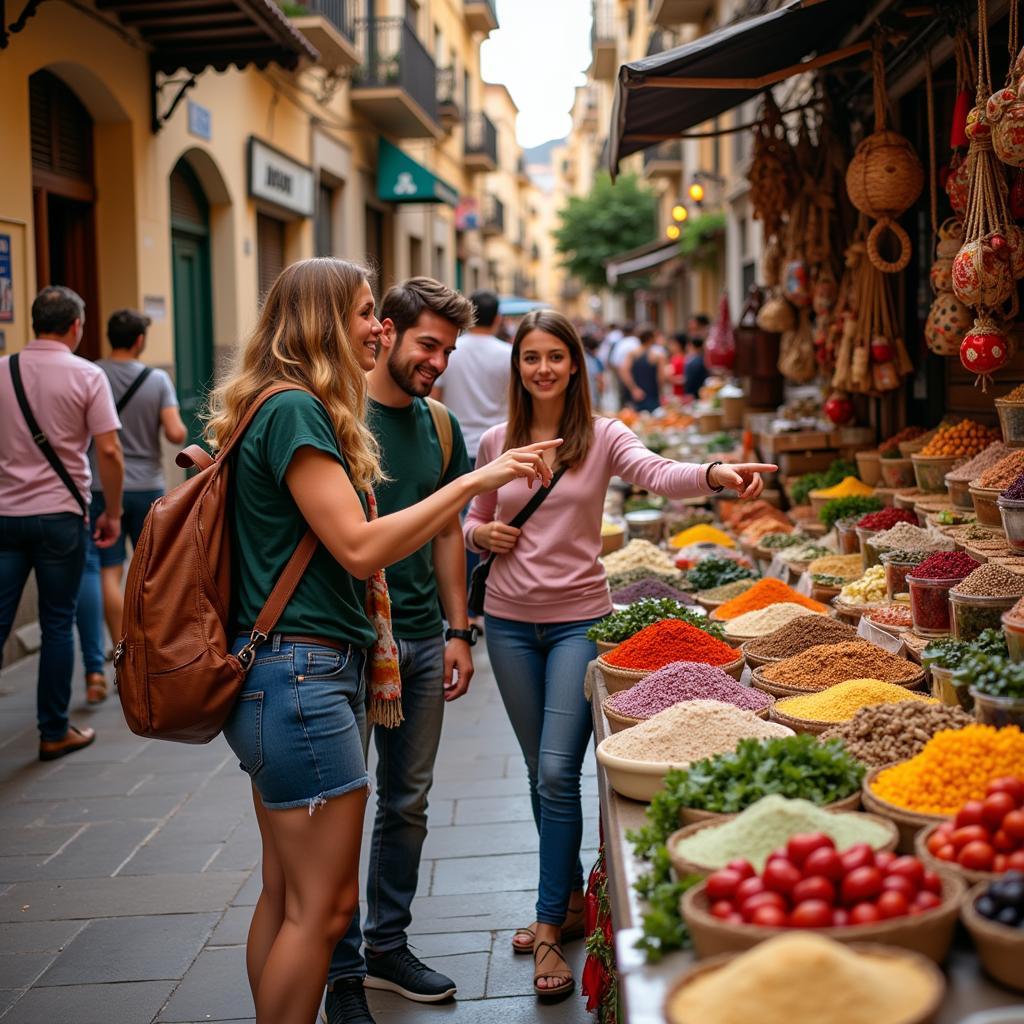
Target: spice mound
{"type": "Point", "coordinates": [906, 537]}
{"type": "Point", "coordinates": [702, 534]}
{"type": "Point", "coordinates": [650, 589]}
{"type": "Point", "coordinates": [1015, 492]}
{"type": "Point", "coordinates": [688, 732]}
{"type": "Point", "coordinates": [768, 825]}
{"type": "Point", "coordinates": [823, 666]}
{"type": "Point", "coordinates": [947, 565]}
{"type": "Point", "coordinates": [886, 519]}
{"type": "Point", "coordinates": [898, 615]}
{"type": "Point", "coordinates": [726, 591]}
{"type": "Point", "coordinates": [673, 577]}
{"type": "Point", "coordinates": [868, 589]}
{"type": "Point", "coordinates": [765, 621]}
{"type": "Point", "coordinates": [841, 702]}
{"type": "Point", "coordinates": [953, 767]}
{"type": "Point", "coordinates": [972, 469]}
{"type": "Point", "coordinates": [669, 640]}
{"type": "Point", "coordinates": [847, 567]}
{"type": "Point", "coordinates": [682, 681]}
{"type": "Point", "coordinates": [637, 553]}
{"type": "Point", "coordinates": [1003, 473]}
{"type": "Point", "coordinates": [803, 978]}
{"type": "Point", "coordinates": [884, 733]}
{"type": "Point", "coordinates": [990, 580]}
{"type": "Point", "coordinates": [810, 631]}
{"type": "Point", "coordinates": [762, 594]}
{"type": "Point", "coordinates": [846, 488]}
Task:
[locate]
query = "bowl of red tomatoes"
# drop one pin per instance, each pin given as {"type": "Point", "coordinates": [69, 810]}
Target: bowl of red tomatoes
{"type": "Point", "coordinates": [984, 839]}
{"type": "Point", "coordinates": [854, 895]}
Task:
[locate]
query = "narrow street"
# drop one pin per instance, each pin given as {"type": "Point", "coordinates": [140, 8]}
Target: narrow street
{"type": "Point", "coordinates": [128, 874]}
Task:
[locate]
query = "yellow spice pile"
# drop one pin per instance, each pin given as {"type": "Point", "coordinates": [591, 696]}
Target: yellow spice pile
{"type": "Point", "coordinates": [841, 702]}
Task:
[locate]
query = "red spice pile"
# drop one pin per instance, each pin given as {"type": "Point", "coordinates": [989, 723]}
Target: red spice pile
{"type": "Point", "coordinates": [670, 640]}
{"type": "Point", "coordinates": [945, 565]}
{"type": "Point", "coordinates": [886, 519]}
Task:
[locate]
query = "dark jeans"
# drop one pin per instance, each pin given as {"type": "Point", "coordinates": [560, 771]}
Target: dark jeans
{"type": "Point", "coordinates": [405, 772]}
{"type": "Point", "coordinates": [53, 546]}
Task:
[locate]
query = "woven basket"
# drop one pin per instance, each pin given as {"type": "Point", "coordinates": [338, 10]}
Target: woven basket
{"type": "Point", "coordinates": [617, 722]}
{"type": "Point", "coordinates": [690, 815]}
{"type": "Point", "coordinates": [683, 867]}
{"type": "Point", "coordinates": [603, 646]}
{"type": "Point", "coordinates": [798, 725]}
{"type": "Point", "coordinates": [868, 468]}
{"type": "Point", "coordinates": [707, 604]}
{"type": "Point", "coordinates": [1000, 947]}
{"type": "Point", "coordinates": [950, 867]}
{"type": "Point", "coordinates": [928, 1011]}
{"type": "Point", "coordinates": [753, 660]}
{"type": "Point", "coordinates": [916, 682]}
{"type": "Point", "coordinates": [929, 933]}
{"type": "Point", "coordinates": [908, 822]}
{"type": "Point", "coordinates": [616, 679]}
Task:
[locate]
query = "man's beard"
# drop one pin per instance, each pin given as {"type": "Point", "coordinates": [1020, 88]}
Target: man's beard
{"type": "Point", "coordinates": [408, 379]}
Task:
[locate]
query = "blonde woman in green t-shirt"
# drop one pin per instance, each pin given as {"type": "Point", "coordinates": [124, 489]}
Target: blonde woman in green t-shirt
{"type": "Point", "coordinates": [309, 460]}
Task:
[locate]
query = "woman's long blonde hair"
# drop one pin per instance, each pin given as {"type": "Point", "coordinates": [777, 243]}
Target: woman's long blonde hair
{"type": "Point", "coordinates": [301, 337]}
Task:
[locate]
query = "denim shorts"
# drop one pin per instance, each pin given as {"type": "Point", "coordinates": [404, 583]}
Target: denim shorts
{"type": "Point", "coordinates": [299, 725]}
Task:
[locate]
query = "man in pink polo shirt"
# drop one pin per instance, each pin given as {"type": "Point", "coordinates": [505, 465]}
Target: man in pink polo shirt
{"type": "Point", "coordinates": [44, 484]}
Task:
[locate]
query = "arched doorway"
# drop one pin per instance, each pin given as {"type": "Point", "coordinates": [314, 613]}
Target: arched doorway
{"type": "Point", "coordinates": [64, 194]}
{"type": "Point", "coordinates": [193, 303]}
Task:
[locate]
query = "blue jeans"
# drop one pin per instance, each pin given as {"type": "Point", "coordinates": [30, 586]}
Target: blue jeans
{"type": "Point", "coordinates": [540, 670]}
{"type": "Point", "coordinates": [90, 611]}
{"type": "Point", "coordinates": [405, 773]}
{"type": "Point", "coordinates": [136, 505]}
{"type": "Point", "coordinates": [53, 546]}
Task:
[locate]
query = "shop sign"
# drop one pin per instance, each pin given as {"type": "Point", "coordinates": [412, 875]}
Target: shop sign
{"type": "Point", "coordinates": [6, 281]}
{"type": "Point", "coordinates": [280, 180]}
{"type": "Point", "coordinates": [200, 121]}
{"type": "Point", "coordinates": [467, 214]}
{"type": "Point", "coordinates": [400, 179]}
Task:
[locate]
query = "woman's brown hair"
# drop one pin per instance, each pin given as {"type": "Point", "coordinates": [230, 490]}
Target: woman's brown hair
{"type": "Point", "coordinates": [577, 426]}
{"type": "Point", "coordinates": [301, 337]}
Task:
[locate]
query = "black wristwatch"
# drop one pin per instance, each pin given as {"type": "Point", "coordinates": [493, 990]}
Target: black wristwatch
{"type": "Point", "coordinates": [469, 635]}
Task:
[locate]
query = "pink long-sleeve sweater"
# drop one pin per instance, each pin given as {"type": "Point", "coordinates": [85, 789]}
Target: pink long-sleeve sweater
{"type": "Point", "coordinates": [552, 574]}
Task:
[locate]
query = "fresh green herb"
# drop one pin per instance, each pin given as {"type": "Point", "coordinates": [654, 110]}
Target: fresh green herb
{"type": "Point", "coordinates": [721, 443]}
{"type": "Point", "coordinates": [836, 473]}
{"type": "Point", "coordinates": [713, 572]}
{"type": "Point", "coordinates": [776, 541]}
{"type": "Point", "coordinates": [642, 502]}
{"type": "Point", "coordinates": [947, 517]}
{"type": "Point", "coordinates": [994, 675]}
{"type": "Point", "coordinates": [619, 626]}
{"type": "Point", "coordinates": [843, 508]}
{"type": "Point", "coordinates": [824, 580]}
{"type": "Point", "coordinates": [951, 654]}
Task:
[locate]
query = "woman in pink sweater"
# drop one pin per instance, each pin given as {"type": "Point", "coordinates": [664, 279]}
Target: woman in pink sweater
{"type": "Point", "coordinates": [547, 587]}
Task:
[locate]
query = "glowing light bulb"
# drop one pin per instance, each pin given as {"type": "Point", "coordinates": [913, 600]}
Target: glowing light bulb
{"type": "Point", "coordinates": [673, 232]}
{"type": "Point", "coordinates": [679, 212]}
{"type": "Point", "coordinates": [696, 192]}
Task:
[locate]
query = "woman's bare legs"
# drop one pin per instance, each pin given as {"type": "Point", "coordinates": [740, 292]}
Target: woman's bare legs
{"type": "Point", "coordinates": [318, 856]}
{"type": "Point", "coordinates": [269, 912]}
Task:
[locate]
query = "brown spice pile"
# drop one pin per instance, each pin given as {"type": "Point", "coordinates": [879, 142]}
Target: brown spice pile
{"type": "Point", "coordinates": [799, 635]}
{"type": "Point", "coordinates": [1016, 395]}
{"type": "Point", "coordinates": [882, 733]}
{"type": "Point", "coordinates": [1004, 472]}
{"type": "Point", "coordinates": [973, 468]}
{"type": "Point", "coordinates": [991, 580]}
{"type": "Point", "coordinates": [823, 666]}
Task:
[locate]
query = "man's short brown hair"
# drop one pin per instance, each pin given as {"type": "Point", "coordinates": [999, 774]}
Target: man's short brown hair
{"type": "Point", "coordinates": [404, 303]}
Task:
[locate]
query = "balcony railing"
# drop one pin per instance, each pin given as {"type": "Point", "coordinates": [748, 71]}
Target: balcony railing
{"type": "Point", "coordinates": [481, 137]}
{"type": "Point", "coordinates": [665, 156]}
{"type": "Point", "coordinates": [394, 58]}
{"type": "Point", "coordinates": [494, 216]}
{"type": "Point", "coordinates": [604, 21]}
{"type": "Point", "coordinates": [340, 13]}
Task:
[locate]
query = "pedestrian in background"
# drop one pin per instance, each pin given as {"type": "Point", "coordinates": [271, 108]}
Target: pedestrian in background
{"type": "Point", "coordinates": [148, 407]}
{"type": "Point", "coordinates": [643, 370]}
{"type": "Point", "coordinates": [52, 404]}
{"type": "Point", "coordinates": [421, 321]}
{"type": "Point", "coordinates": [675, 366]}
{"type": "Point", "coordinates": [309, 462]}
{"type": "Point", "coordinates": [618, 352]}
{"type": "Point", "coordinates": [547, 588]}
{"type": "Point", "coordinates": [595, 368]}
{"type": "Point", "coordinates": [695, 373]}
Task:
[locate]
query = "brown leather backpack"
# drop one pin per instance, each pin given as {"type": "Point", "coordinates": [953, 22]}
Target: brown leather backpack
{"type": "Point", "coordinates": [176, 675]}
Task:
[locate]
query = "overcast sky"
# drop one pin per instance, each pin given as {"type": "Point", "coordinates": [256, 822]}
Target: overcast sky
{"type": "Point", "coordinates": [540, 53]}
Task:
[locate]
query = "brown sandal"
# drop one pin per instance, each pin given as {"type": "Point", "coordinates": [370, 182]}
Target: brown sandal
{"type": "Point", "coordinates": [95, 688]}
{"type": "Point", "coordinates": [560, 974]}
{"type": "Point", "coordinates": [524, 946]}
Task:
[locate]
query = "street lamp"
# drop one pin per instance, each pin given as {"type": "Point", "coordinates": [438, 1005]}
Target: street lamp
{"type": "Point", "coordinates": [679, 213]}
{"type": "Point", "coordinates": [696, 192]}
{"type": "Point", "coordinates": [673, 232]}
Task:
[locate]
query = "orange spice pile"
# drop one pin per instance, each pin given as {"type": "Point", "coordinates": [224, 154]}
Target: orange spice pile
{"type": "Point", "coordinates": [762, 594]}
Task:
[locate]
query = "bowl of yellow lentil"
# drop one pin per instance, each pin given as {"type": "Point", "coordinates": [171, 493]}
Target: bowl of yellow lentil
{"type": "Point", "coordinates": [816, 712]}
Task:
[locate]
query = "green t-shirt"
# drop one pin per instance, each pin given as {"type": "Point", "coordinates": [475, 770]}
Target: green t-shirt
{"type": "Point", "coordinates": [268, 526]}
{"type": "Point", "coordinates": [411, 455]}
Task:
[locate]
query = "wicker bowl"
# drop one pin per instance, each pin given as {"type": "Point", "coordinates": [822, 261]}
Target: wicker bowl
{"type": "Point", "coordinates": [926, 1016]}
{"type": "Point", "coordinates": [916, 682]}
{"type": "Point", "coordinates": [1000, 947]}
{"type": "Point", "coordinates": [929, 933]}
{"type": "Point", "coordinates": [617, 722]}
{"type": "Point", "coordinates": [706, 603]}
{"type": "Point", "coordinates": [690, 815]}
{"type": "Point", "coordinates": [950, 867]}
{"type": "Point", "coordinates": [897, 473]}
{"type": "Point", "coordinates": [799, 725]}
{"type": "Point", "coordinates": [753, 660]}
{"type": "Point", "coordinates": [908, 822]}
{"type": "Point", "coordinates": [603, 646]}
{"type": "Point", "coordinates": [985, 507]}
{"type": "Point", "coordinates": [868, 468]}
{"type": "Point", "coordinates": [616, 679]}
{"type": "Point", "coordinates": [683, 867]}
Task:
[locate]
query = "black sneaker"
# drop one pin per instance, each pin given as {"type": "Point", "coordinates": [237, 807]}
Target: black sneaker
{"type": "Point", "coordinates": [398, 970]}
{"type": "Point", "coordinates": [346, 1003]}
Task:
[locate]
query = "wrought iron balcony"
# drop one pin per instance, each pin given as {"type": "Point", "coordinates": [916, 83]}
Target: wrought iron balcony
{"type": "Point", "coordinates": [481, 147]}
{"type": "Point", "coordinates": [448, 109]}
{"type": "Point", "coordinates": [664, 160]}
{"type": "Point", "coordinates": [603, 40]}
{"type": "Point", "coordinates": [493, 220]}
{"type": "Point", "coordinates": [330, 26]}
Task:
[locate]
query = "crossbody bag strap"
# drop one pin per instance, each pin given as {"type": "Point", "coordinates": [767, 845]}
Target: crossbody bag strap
{"type": "Point", "coordinates": [132, 388]}
{"type": "Point", "coordinates": [41, 440]}
{"type": "Point", "coordinates": [532, 505]}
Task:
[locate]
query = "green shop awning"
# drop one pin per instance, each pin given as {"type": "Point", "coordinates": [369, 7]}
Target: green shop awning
{"type": "Point", "coordinates": [400, 179]}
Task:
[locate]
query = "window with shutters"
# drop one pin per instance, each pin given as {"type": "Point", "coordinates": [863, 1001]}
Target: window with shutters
{"type": "Point", "coordinates": [61, 129]}
{"type": "Point", "coordinates": [269, 251]}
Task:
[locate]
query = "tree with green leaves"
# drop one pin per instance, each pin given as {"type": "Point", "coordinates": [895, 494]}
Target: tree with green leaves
{"type": "Point", "coordinates": [610, 220]}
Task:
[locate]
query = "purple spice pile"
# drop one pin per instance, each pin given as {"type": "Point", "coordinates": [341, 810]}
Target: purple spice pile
{"type": "Point", "coordinates": [1015, 492]}
{"type": "Point", "coordinates": [680, 681]}
{"type": "Point", "coordinates": [650, 588]}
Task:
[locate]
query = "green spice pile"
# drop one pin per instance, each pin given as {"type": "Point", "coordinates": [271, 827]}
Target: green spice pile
{"type": "Point", "coordinates": [727, 591]}
{"type": "Point", "coordinates": [819, 667]}
{"type": "Point", "coordinates": [713, 572]}
{"type": "Point", "coordinates": [884, 733]}
{"type": "Point", "coordinates": [619, 626]}
{"type": "Point", "coordinates": [768, 825]}
{"type": "Point", "coordinates": [801, 634]}
{"type": "Point", "coordinates": [774, 541]}
{"type": "Point", "coordinates": [991, 580]}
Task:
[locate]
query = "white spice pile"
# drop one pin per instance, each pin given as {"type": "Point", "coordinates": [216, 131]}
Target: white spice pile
{"type": "Point", "coordinates": [907, 537]}
{"type": "Point", "coordinates": [690, 731]}
{"type": "Point", "coordinates": [766, 620]}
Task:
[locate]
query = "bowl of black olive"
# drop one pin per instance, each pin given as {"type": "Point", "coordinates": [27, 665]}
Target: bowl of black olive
{"type": "Point", "coordinates": [993, 912]}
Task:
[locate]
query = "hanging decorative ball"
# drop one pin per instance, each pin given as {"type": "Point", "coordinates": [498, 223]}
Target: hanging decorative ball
{"type": "Point", "coordinates": [951, 237]}
{"type": "Point", "coordinates": [956, 184]}
{"type": "Point", "coordinates": [776, 316]}
{"type": "Point", "coordinates": [982, 272]}
{"type": "Point", "coordinates": [885, 177]}
{"type": "Point", "coordinates": [948, 321]}
{"type": "Point", "coordinates": [985, 349]}
{"type": "Point", "coordinates": [1005, 111]}
{"type": "Point", "coordinates": [941, 275]}
{"type": "Point", "coordinates": [881, 349]}
{"type": "Point", "coordinates": [825, 294]}
{"type": "Point", "coordinates": [838, 408]}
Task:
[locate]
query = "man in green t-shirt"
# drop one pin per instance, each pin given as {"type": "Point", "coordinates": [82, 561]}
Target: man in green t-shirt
{"type": "Point", "coordinates": [422, 319]}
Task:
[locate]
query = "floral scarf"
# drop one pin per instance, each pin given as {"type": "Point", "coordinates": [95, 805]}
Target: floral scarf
{"type": "Point", "coordinates": [385, 681]}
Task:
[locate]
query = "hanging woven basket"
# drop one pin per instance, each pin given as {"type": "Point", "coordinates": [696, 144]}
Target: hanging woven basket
{"type": "Point", "coordinates": [982, 273]}
{"type": "Point", "coordinates": [885, 177]}
{"type": "Point", "coordinates": [948, 321]}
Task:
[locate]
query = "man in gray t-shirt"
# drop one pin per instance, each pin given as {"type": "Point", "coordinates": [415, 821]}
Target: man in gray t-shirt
{"type": "Point", "coordinates": [148, 407]}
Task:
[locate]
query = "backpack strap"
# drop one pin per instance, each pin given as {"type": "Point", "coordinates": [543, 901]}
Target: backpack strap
{"type": "Point", "coordinates": [133, 387]}
{"type": "Point", "coordinates": [443, 428]}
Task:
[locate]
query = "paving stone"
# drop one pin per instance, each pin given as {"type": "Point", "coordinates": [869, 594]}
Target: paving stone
{"type": "Point", "coordinates": [250, 891]}
{"type": "Point", "coordinates": [20, 970]}
{"type": "Point", "coordinates": [392, 1009]}
{"type": "Point", "coordinates": [473, 912]}
{"type": "Point", "coordinates": [448, 944]}
{"type": "Point", "coordinates": [511, 974]}
{"type": "Point", "coordinates": [25, 815]}
{"type": "Point", "coordinates": [38, 841]}
{"type": "Point", "coordinates": [467, 786]}
{"type": "Point", "coordinates": [38, 936]}
{"type": "Point", "coordinates": [164, 855]}
{"type": "Point", "coordinates": [8, 997]}
{"type": "Point", "coordinates": [480, 840]}
{"type": "Point", "coordinates": [475, 768]}
{"type": "Point", "coordinates": [482, 810]}
{"type": "Point", "coordinates": [132, 1002]}
{"type": "Point", "coordinates": [489, 874]}
{"type": "Point", "coordinates": [132, 949]}
{"type": "Point", "coordinates": [215, 988]}
{"type": "Point", "coordinates": [108, 808]}
{"type": "Point", "coordinates": [233, 928]}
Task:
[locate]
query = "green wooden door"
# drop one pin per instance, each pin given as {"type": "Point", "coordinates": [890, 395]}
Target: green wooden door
{"type": "Point", "coordinates": [193, 306]}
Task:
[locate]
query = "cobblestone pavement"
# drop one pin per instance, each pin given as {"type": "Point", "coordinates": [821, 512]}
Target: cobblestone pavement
{"type": "Point", "coordinates": [128, 873]}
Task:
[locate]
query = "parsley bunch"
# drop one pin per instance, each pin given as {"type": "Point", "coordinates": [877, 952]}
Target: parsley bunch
{"type": "Point", "coordinates": [841, 508]}
{"type": "Point", "coordinates": [619, 626]}
{"type": "Point", "coordinates": [951, 654]}
{"type": "Point", "coordinates": [714, 572]}
{"type": "Point", "coordinates": [994, 675]}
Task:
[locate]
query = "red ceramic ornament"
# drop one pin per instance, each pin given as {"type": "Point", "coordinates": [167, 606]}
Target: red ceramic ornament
{"type": "Point", "coordinates": [984, 350]}
{"type": "Point", "coordinates": [838, 408]}
{"type": "Point", "coordinates": [881, 349]}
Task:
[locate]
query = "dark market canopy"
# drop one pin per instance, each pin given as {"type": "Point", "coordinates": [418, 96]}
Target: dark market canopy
{"type": "Point", "coordinates": [661, 96]}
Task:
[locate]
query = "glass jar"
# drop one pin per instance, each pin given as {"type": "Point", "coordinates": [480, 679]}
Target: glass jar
{"type": "Point", "coordinates": [942, 685]}
{"type": "Point", "coordinates": [972, 614]}
{"type": "Point", "coordinates": [997, 711]}
{"type": "Point", "coordinates": [1012, 514]}
{"type": "Point", "coordinates": [1013, 630]}
{"type": "Point", "coordinates": [896, 574]}
{"type": "Point", "coordinates": [1011, 422]}
{"type": "Point", "coordinates": [929, 605]}
{"type": "Point", "coordinates": [868, 557]}
{"type": "Point", "coordinates": [846, 535]}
